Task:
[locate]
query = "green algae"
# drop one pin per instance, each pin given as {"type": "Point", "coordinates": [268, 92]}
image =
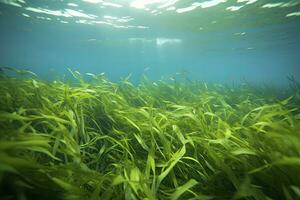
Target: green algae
{"type": "Point", "coordinates": [158, 140]}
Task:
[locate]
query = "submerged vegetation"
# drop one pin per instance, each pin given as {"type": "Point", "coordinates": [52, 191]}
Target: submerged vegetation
{"type": "Point", "coordinates": [159, 140]}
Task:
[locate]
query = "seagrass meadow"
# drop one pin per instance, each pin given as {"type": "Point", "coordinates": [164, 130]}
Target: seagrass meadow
{"type": "Point", "coordinates": [173, 140]}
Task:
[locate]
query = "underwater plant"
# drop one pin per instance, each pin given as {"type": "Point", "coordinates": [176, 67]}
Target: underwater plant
{"type": "Point", "coordinates": [159, 140]}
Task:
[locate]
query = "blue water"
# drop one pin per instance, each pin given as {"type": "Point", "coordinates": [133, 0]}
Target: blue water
{"type": "Point", "coordinates": [216, 40]}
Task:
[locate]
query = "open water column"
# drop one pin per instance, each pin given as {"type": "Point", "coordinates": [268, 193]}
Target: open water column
{"type": "Point", "coordinates": [150, 99]}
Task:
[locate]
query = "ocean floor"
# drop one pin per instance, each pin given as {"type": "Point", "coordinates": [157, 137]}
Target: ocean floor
{"type": "Point", "coordinates": [176, 139]}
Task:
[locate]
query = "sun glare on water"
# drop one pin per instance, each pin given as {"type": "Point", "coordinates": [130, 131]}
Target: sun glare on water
{"type": "Point", "coordinates": [140, 4]}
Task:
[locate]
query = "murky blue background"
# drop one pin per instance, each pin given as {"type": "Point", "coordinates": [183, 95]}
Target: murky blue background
{"type": "Point", "coordinates": [215, 40]}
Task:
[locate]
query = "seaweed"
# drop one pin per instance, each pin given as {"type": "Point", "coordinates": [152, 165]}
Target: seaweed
{"type": "Point", "coordinates": [98, 139]}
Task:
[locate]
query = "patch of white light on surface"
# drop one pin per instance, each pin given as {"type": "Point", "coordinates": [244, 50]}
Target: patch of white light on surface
{"type": "Point", "coordinates": [72, 4]}
{"type": "Point", "coordinates": [293, 14]}
{"type": "Point", "coordinates": [141, 4]}
{"type": "Point", "coordinates": [112, 4]}
{"type": "Point", "coordinates": [25, 15]}
{"type": "Point", "coordinates": [124, 20]}
{"type": "Point", "coordinates": [64, 22]}
{"type": "Point", "coordinates": [281, 4]}
{"type": "Point", "coordinates": [83, 21]}
{"type": "Point", "coordinates": [234, 8]}
{"type": "Point", "coordinates": [272, 5]}
{"type": "Point", "coordinates": [247, 1]}
{"type": "Point", "coordinates": [290, 4]}
{"type": "Point", "coordinates": [100, 22]}
{"type": "Point", "coordinates": [61, 13]}
{"type": "Point", "coordinates": [168, 3]}
{"type": "Point", "coordinates": [205, 4]}
{"type": "Point", "coordinates": [120, 26]}
{"type": "Point", "coordinates": [93, 1]}
{"type": "Point", "coordinates": [164, 41]}
{"type": "Point", "coordinates": [16, 3]}
{"type": "Point", "coordinates": [109, 23]}
{"type": "Point", "coordinates": [44, 18]}
{"type": "Point", "coordinates": [48, 12]}
{"type": "Point", "coordinates": [109, 17]}
{"type": "Point", "coordinates": [241, 33]}
{"type": "Point", "coordinates": [187, 9]}
{"type": "Point", "coordinates": [75, 13]}
{"type": "Point", "coordinates": [141, 27]}
{"type": "Point", "coordinates": [113, 19]}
